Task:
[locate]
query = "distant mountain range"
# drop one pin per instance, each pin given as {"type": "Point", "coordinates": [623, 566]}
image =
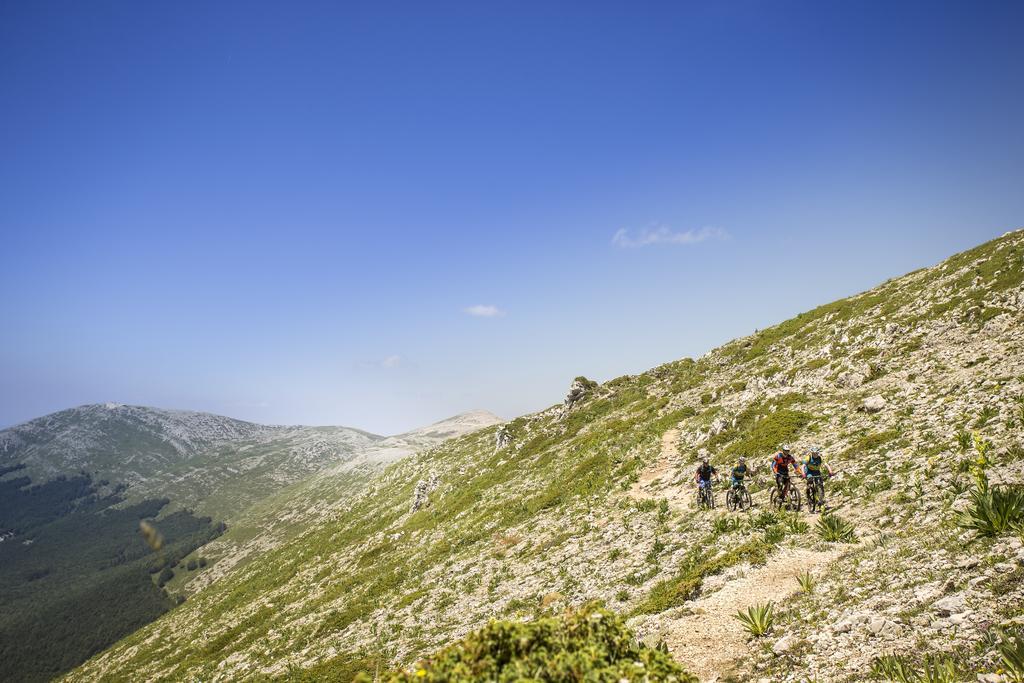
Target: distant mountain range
{"type": "Point", "coordinates": [217, 465]}
{"type": "Point", "coordinates": [75, 573]}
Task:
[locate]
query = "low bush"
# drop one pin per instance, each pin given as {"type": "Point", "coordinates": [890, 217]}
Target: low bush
{"type": "Point", "coordinates": [591, 644]}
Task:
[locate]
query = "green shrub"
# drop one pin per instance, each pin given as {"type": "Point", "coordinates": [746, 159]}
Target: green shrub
{"type": "Point", "coordinates": [591, 644]}
{"type": "Point", "coordinates": [758, 619]}
{"type": "Point", "coordinates": [994, 510]}
{"type": "Point", "coordinates": [834, 529]}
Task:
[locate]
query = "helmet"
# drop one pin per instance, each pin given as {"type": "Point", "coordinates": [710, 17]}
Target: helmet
{"type": "Point", "coordinates": [742, 460]}
{"type": "Point", "coordinates": [785, 447]}
{"type": "Point", "coordinates": [816, 450]}
{"type": "Point", "coordinates": [704, 460]}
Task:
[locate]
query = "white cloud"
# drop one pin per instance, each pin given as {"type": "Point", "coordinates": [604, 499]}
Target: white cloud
{"type": "Point", "coordinates": [391, 362]}
{"type": "Point", "coordinates": [483, 311]}
{"type": "Point", "coordinates": [663, 235]}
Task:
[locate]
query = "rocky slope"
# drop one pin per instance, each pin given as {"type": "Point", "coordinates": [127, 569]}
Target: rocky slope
{"type": "Point", "coordinates": [588, 500]}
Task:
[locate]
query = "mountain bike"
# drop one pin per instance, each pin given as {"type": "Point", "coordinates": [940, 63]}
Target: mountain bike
{"type": "Point", "coordinates": [792, 502]}
{"type": "Point", "coordinates": [705, 495]}
{"type": "Point", "coordinates": [738, 498]}
{"type": "Point", "coordinates": [816, 493]}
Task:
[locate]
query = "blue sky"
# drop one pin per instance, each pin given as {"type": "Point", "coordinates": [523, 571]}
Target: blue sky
{"type": "Point", "coordinates": [287, 212]}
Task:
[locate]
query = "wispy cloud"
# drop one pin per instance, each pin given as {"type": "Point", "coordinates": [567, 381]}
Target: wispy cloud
{"type": "Point", "coordinates": [483, 311]}
{"type": "Point", "coordinates": [391, 362]}
{"type": "Point", "coordinates": [663, 235]}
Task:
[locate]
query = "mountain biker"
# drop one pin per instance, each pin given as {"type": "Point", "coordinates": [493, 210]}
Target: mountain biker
{"type": "Point", "coordinates": [812, 468]}
{"type": "Point", "coordinates": [739, 472]}
{"type": "Point", "coordinates": [704, 474]}
{"type": "Point", "coordinates": [781, 463]}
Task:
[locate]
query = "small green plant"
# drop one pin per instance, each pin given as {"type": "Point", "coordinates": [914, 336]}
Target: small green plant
{"type": "Point", "coordinates": [758, 619]}
{"type": "Point", "coordinates": [985, 416]}
{"type": "Point", "coordinates": [963, 440]}
{"type": "Point", "coordinates": [724, 525]}
{"type": "Point", "coordinates": [958, 486]}
{"type": "Point", "coordinates": [764, 520]}
{"type": "Point", "coordinates": [796, 525]}
{"type": "Point", "coordinates": [615, 554]}
{"type": "Point", "coordinates": [663, 511]}
{"type": "Point", "coordinates": [656, 550]}
{"type": "Point", "coordinates": [622, 595]}
{"type": "Point", "coordinates": [1011, 655]}
{"type": "Point", "coordinates": [806, 581]}
{"type": "Point", "coordinates": [937, 669]}
{"type": "Point", "coordinates": [645, 505]}
{"type": "Point", "coordinates": [774, 535]}
{"type": "Point", "coordinates": [833, 528]}
{"type": "Point", "coordinates": [875, 371]}
{"type": "Point", "coordinates": [994, 510]}
{"type": "Point", "coordinates": [979, 467]}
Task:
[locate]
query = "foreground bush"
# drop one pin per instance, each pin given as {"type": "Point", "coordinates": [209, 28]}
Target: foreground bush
{"type": "Point", "coordinates": [591, 644]}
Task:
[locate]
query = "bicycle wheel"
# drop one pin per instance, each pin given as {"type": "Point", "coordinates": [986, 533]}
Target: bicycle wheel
{"type": "Point", "coordinates": [776, 500]}
{"type": "Point", "coordinates": [794, 499]}
{"type": "Point", "coordinates": [746, 502]}
{"type": "Point", "coordinates": [731, 500]}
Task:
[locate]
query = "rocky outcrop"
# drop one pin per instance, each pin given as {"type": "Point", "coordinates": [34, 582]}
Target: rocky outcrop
{"type": "Point", "coordinates": [421, 494]}
{"type": "Point", "coordinates": [873, 404]}
{"type": "Point", "coordinates": [502, 438]}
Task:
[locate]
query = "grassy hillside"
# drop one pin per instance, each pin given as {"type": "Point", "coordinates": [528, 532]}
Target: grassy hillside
{"type": "Point", "coordinates": [584, 504]}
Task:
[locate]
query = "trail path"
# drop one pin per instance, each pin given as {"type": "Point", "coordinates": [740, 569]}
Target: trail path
{"type": "Point", "coordinates": [710, 641]}
{"type": "Point", "coordinates": [658, 480]}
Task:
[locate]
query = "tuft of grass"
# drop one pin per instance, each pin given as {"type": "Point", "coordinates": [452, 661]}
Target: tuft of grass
{"type": "Point", "coordinates": [833, 528]}
{"type": "Point", "coordinates": [994, 510]}
{"type": "Point", "coordinates": [806, 581]}
{"type": "Point", "coordinates": [963, 440]}
{"type": "Point", "coordinates": [897, 668]}
{"type": "Point", "coordinates": [796, 525]}
{"type": "Point", "coordinates": [724, 525]}
{"type": "Point", "coordinates": [758, 619]}
{"type": "Point", "coordinates": [1011, 655]}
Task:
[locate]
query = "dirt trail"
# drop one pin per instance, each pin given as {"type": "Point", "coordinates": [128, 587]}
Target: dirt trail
{"type": "Point", "coordinates": [711, 641]}
{"type": "Point", "coordinates": [658, 480]}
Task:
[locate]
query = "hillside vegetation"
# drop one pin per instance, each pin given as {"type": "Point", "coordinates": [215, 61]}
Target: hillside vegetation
{"type": "Point", "coordinates": [914, 390]}
{"type": "Point", "coordinates": [75, 575]}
